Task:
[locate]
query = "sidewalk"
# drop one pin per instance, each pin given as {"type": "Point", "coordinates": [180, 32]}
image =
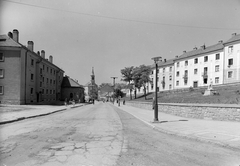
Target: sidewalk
{"type": "Point", "coordinates": [31, 111]}
{"type": "Point", "coordinates": [218, 132]}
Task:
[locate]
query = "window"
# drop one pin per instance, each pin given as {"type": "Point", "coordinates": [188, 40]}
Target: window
{"type": "Point", "coordinates": [177, 83]}
{"type": "Point", "coordinates": [177, 64]}
{"type": "Point", "coordinates": [170, 78]}
{"type": "Point", "coordinates": [216, 80]}
{"type": "Point", "coordinates": [51, 71]}
{"type": "Point", "coordinates": [217, 68]}
{"type": "Point", "coordinates": [32, 77]}
{"type": "Point", "coordinates": [178, 73]}
{"type": "Point", "coordinates": [50, 81]}
{"type": "Point", "coordinates": [217, 56]}
{"type": "Point", "coordinates": [205, 80]}
{"type": "Point", "coordinates": [195, 71]}
{"type": "Point", "coordinates": [185, 81]}
{"type": "Point", "coordinates": [53, 91]}
{"type": "Point", "coordinates": [47, 69]}
{"type": "Point", "coordinates": [163, 70]}
{"type": "Point", "coordinates": [32, 62]}
{"type": "Point", "coordinates": [230, 74]}
{"type": "Point", "coordinates": [205, 58]}
{"type": "Point", "coordinates": [230, 49]}
{"type": "Point", "coordinates": [230, 62]}
{"type": "Point", "coordinates": [186, 63]}
{"type": "Point", "coordinates": [157, 71]}
{"type": "Point", "coordinates": [42, 91]}
{"type": "Point", "coordinates": [50, 92]}
{"type": "Point", "coordinates": [1, 90]}
{"type": "Point", "coordinates": [47, 91]}
{"type": "Point", "coordinates": [195, 60]}
{"type": "Point", "coordinates": [170, 86]}
{"type": "Point", "coordinates": [170, 69]}
{"type": "Point", "coordinates": [151, 86]}
{"type": "Point", "coordinates": [54, 82]}
{"type": "Point", "coordinates": [1, 57]}
{"type": "Point", "coordinates": [195, 84]}
{"type": "Point", "coordinates": [1, 73]}
{"type": "Point", "coordinates": [186, 73]}
{"type": "Point", "coordinates": [152, 72]}
{"type": "Point", "coordinates": [40, 84]}
{"type": "Point", "coordinates": [47, 80]}
{"type": "Point", "coordinates": [43, 67]}
{"type": "Point", "coordinates": [31, 91]}
{"type": "Point", "coordinates": [43, 79]}
{"type": "Point", "coordinates": [41, 70]}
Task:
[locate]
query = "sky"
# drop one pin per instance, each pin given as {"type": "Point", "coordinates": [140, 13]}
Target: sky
{"type": "Point", "coordinates": [110, 35]}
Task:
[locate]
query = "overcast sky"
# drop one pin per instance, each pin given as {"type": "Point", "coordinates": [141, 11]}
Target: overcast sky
{"type": "Point", "coordinates": [112, 34]}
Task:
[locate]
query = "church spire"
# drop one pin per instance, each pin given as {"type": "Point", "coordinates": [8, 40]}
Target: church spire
{"type": "Point", "coordinates": [92, 71]}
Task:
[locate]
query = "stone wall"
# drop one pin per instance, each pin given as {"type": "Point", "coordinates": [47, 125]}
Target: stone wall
{"type": "Point", "coordinates": [198, 111]}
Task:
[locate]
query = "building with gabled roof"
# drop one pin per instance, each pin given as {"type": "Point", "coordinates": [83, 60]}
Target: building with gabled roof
{"type": "Point", "coordinates": [27, 77]}
{"type": "Point", "coordinates": [72, 90]}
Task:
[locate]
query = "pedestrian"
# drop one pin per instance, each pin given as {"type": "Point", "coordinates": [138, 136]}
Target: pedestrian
{"type": "Point", "coordinates": [65, 102]}
{"type": "Point", "coordinates": [123, 101]}
{"type": "Point", "coordinates": [118, 102]}
{"type": "Point", "coordinates": [93, 101]}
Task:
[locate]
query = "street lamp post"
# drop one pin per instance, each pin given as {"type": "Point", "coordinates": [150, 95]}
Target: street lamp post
{"type": "Point", "coordinates": [156, 60]}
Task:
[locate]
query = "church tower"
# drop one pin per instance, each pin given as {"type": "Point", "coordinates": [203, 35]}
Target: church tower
{"type": "Point", "coordinates": [93, 77]}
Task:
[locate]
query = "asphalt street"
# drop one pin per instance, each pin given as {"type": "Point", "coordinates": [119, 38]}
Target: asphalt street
{"type": "Point", "coordinates": [102, 135]}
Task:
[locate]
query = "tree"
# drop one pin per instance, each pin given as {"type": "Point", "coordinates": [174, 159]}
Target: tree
{"type": "Point", "coordinates": [144, 77]}
{"type": "Point", "coordinates": [117, 93]}
{"type": "Point", "coordinates": [136, 80]}
{"type": "Point", "coordinates": [127, 76]}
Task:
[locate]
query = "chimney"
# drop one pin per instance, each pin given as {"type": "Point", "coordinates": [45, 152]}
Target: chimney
{"type": "Point", "coordinates": [220, 41]}
{"type": "Point", "coordinates": [184, 52]}
{"type": "Point", "coordinates": [38, 53]}
{"type": "Point", "coordinates": [234, 34]}
{"type": "Point", "coordinates": [15, 35]}
{"type": "Point", "coordinates": [51, 58]}
{"type": "Point", "coordinates": [10, 34]}
{"type": "Point", "coordinates": [195, 48]}
{"type": "Point", "coordinates": [30, 45]}
{"type": "Point", "coordinates": [165, 60]}
{"type": "Point", "coordinates": [43, 54]}
{"type": "Point", "coordinates": [203, 47]}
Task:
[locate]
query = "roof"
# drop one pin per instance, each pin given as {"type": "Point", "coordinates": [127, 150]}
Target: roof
{"type": "Point", "coordinates": [233, 39]}
{"type": "Point", "coordinates": [6, 41]}
{"type": "Point", "coordinates": [208, 49]}
{"type": "Point", "coordinates": [69, 82]}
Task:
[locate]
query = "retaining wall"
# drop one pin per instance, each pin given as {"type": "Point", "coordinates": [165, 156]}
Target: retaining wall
{"type": "Point", "coordinates": [198, 111]}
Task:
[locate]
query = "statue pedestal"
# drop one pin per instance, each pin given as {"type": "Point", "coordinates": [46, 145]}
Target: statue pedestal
{"type": "Point", "coordinates": [209, 92]}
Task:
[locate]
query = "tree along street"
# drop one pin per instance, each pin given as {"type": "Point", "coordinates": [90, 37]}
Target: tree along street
{"type": "Point", "coordinates": [102, 135]}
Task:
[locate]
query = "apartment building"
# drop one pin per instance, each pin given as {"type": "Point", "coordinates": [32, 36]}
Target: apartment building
{"type": "Point", "coordinates": [232, 59]}
{"type": "Point", "coordinates": [199, 67]}
{"type": "Point", "coordinates": [25, 76]}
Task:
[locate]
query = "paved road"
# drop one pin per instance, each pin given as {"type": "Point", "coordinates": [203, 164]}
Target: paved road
{"type": "Point", "coordinates": [102, 135]}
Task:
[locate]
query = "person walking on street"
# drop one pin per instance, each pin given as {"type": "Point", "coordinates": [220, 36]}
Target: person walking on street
{"type": "Point", "coordinates": [118, 102]}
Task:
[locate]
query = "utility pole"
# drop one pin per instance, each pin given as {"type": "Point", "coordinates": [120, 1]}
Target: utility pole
{"type": "Point", "coordinates": [113, 86]}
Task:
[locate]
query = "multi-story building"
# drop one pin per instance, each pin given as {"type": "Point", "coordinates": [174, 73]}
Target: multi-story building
{"type": "Point", "coordinates": [199, 67]}
{"type": "Point", "coordinates": [216, 64]}
{"type": "Point", "coordinates": [232, 59]}
{"type": "Point", "coordinates": [27, 77]}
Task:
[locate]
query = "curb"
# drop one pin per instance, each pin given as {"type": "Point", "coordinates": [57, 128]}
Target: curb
{"type": "Point", "coordinates": [154, 127]}
{"type": "Point", "coordinates": [35, 116]}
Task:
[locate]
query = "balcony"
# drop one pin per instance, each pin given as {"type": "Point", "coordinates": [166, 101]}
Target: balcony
{"type": "Point", "coordinates": [185, 76]}
{"type": "Point", "coordinates": [204, 75]}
